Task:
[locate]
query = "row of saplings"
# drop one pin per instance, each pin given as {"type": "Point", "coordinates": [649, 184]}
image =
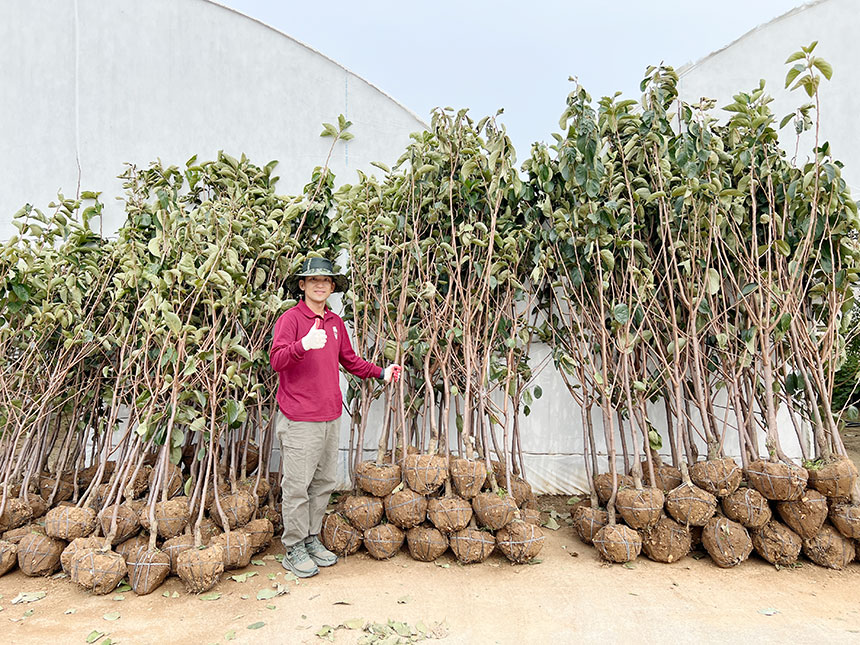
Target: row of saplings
{"type": "Point", "coordinates": [728, 515]}
{"type": "Point", "coordinates": [433, 504]}
{"type": "Point", "coordinates": [99, 545]}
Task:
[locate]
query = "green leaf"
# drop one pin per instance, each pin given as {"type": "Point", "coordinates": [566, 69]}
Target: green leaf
{"type": "Point", "coordinates": [256, 625]}
{"type": "Point", "coordinates": [551, 524]}
{"type": "Point", "coordinates": [230, 636]}
{"type": "Point", "coordinates": [795, 56]}
{"type": "Point", "coordinates": [173, 322]}
{"type": "Point", "coordinates": [608, 259]}
{"type": "Point", "coordinates": [621, 313]}
{"type": "Point", "coordinates": [793, 73]}
{"type": "Point", "coordinates": [114, 615]}
{"type": "Point", "coordinates": [215, 595]}
{"type": "Point", "coordinates": [655, 440]}
{"type": "Point", "coordinates": [823, 66]}
{"type": "Point", "coordinates": [94, 636]}
{"type": "Point", "coordinates": [714, 281]}
{"type": "Point", "coordinates": [783, 248]}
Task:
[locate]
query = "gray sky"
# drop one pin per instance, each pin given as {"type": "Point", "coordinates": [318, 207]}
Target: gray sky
{"type": "Point", "coordinates": [491, 54]}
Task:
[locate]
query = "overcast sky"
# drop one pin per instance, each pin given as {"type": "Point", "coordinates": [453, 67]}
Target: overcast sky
{"type": "Point", "coordinates": [515, 55]}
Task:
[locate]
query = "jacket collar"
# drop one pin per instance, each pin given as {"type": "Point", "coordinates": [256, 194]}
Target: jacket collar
{"type": "Point", "coordinates": [306, 311]}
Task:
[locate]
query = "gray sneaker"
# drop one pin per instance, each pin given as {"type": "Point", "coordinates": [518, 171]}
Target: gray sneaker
{"type": "Point", "coordinates": [297, 560]}
{"type": "Point", "coordinates": [319, 554]}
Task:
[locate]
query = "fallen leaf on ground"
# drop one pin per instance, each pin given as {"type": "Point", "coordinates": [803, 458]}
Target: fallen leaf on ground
{"type": "Point", "coordinates": [355, 623]}
{"type": "Point", "coordinates": [231, 635]}
{"type": "Point", "coordinates": [31, 596]}
{"type": "Point", "coordinates": [124, 586]}
{"type": "Point", "coordinates": [215, 595]}
{"type": "Point", "coordinates": [403, 600]}
{"type": "Point", "coordinates": [175, 594]}
{"type": "Point", "coordinates": [114, 615]}
{"type": "Point", "coordinates": [94, 636]}
{"type": "Point", "coordinates": [551, 524]}
{"type": "Point", "coordinates": [28, 613]}
{"type": "Point", "coordinates": [443, 565]}
{"type": "Point", "coordinates": [341, 602]}
{"type": "Point", "coordinates": [242, 577]}
{"type": "Point", "coordinates": [258, 563]}
{"type": "Point", "coordinates": [256, 625]}
{"type": "Point", "coordinates": [70, 611]}
{"type": "Point", "coordinates": [770, 611]}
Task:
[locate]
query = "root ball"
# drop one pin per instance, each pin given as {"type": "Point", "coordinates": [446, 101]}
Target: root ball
{"type": "Point", "coordinates": [39, 555]}
{"type": "Point", "coordinates": [777, 543]}
{"type": "Point", "coordinates": [76, 545]}
{"type": "Point", "coordinates": [131, 546]}
{"type": "Point", "coordinates": [260, 534]}
{"type": "Point", "coordinates": [127, 522]}
{"type": "Point", "coordinates": [665, 477]}
{"type": "Point", "coordinates": [690, 505]}
{"type": "Point", "coordinates": [425, 473]}
{"type": "Point", "coordinates": [719, 477]}
{"type": "Point", "coordinates": [846, 518]}
{"type": "Point", "coordinates": [641, 509]}
{"type": "Point", "coordinates": [520, 542]}
{"type": "Point", "coordinates": [377, 479]}
{"type": "Point", "coordinates": [467, 476]}
{"type": "Point", "coordinates": [603, 485]}
{"type": "Point", "coordinates": [426, 543]}
{"type": "Point", "coordinates": [8, 556]}
{"type": "Point", "coordinates": [69, 522]}
{"type": "Point", "coordinates": [777, 481]}
{"type": "Point", "coordinates": [829, 548]}
{"type": "Point", "coordinates": [200, 568]}
{"type": "Point", "coordinates": [16, 514]}
{"type": "Point", "coordinates": [97, 571]}
{"type": "Point", "coordinates": [406, 508]}
{"type": "Point", "coordinates": [339, 536]}
{"type": "Point", "coordinates": [239, 508]}
{"type": "Point", "coordinates": [174, 546]}
{"type": "Point", "coordinates": [587, 521]}
{"type": "Point", "coordinates": [171, 517]}
{"type": "Point", "coordinates": [835, 479]}
{"type": "Point", "coordinates": [748, 507]}
{"type": "Point", "coordinates": [618, 543]}
{"type": "Point", "coordinates": [383, 541]}
{"type": "Point", "coordinates": [147, 570]}
{"type": "Point", "coordinates": [728, 543]}
{"type": "Point", "coordinates": [667, 541]}
{"type": "Point", "coordinates": [236, 547]}
{"type": "Point", "coordinates": [449, 514]}
{"type": "Point", "coordinates": [471, 546]}
{"type": "Point", "coordinates": [494, 511]}
{"type": "Point", "coordinates": [804, 516]}
{"type": "Point", "coordinates": [362, 511]}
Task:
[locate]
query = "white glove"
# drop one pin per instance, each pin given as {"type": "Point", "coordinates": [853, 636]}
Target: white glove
{"type": "Point", "coordinates": [315, 338]}
{"type": "Point", "coordinates": [391, 373]}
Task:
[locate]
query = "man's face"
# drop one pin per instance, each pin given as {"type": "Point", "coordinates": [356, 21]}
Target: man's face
{"type": "Point", "coordinates": [317, 288]}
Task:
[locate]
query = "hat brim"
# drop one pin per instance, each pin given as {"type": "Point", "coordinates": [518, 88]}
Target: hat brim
{"type": "Point", "coordinates": [341, 282]}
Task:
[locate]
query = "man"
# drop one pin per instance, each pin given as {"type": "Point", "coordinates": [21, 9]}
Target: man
{"type": "Point", "coordinates": [308, 344]}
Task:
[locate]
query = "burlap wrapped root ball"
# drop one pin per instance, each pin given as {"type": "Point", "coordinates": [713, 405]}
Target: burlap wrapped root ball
{"type": "Point", "coordinates": [425, 474]}
{"type": "Point", "coordinates": [728, 543]}
{"type": "Point", "coordinates": [127, 522]}
{"type": "Point", "coordinates": [97, 570]}
{"type": "Point", "coordinates": [618, 543]}
{"type": "Point", "coordinates": [208, 530]}
{"type": "Point", "coordinates": [829, 548]}
{"type": "Point", "coordinates": [471, 546]}
{"type": "Point", "coordinates": [530, 515]}
{"type": "Point", "coordinates": [69, 522]}
{"type": "Point", "coordinates": [138, 484]}
{"type": "Point", "coordinates": [777, 543]}
{"type": "Point", "coordinates": [39, 555]}
{"type": "Point", "coordinates": [468, 477]}
{"type": "Point", "coordinates": [132, 545]}
{"type": "Point", "coordinates": [362, 511]}
{"type": "Point", "coordinates": [494, 511]}
{"type": "Point", "coordinates": [78, 544]}
{"type": "Point", "coordinates": [383, 541]}
{"type": "Point", "coordinates": [845, 516]}
{"type": "Point", "coordinates": [237, 548]}
{"type": "Point", "coordinates": [238, 507]}
{"type": "Point", "coordinates": [171, 517]}
{"type": "Point", "coordinates": [405, 508]}
{"type": "Point", "coordinates": [805, 515]}
{"type": "Point", "coordinates": [200, 568]}
{"type": "Point", "coordinates": [690, 505]}
{"type": "Point", "coordinates": [426, 543]}
{"type": "Point", "coordinates": [174, 546]}
{"type": "Point", "coordinates": [147, 569]}
{"type": "Point", "coordinates": [667, 541]}
{"type": "Point", "coordinates": [260, 534]}
{"type": "Point", "coordinates": [641, 509]}
{"type": "Point", "coordinates": [8, 556]}
{"type": "Point", "coordinates": [14, 535]}
{"type": "Point", "coordinates": [520, 542]}
{"type": "Point", "coordinates": [603, 485]}
{"type": "Point", "coordinates": [64, 485]}
{"type": "Point", "coordinates": [15, 514]}
{"type": "Point", "coordinates": [720, 477]}
{"type": "Point", "coordinates": [748, 507]}
{"type": "Point", "coordinates": [174, 480]}
{"type": "Point", "coordinates": [834, 479]}
{"type": "Point", "coordinates": [377, 479]}
{"type": "Point", "coordinates": [38, 505]}
{"type": "Point", "coordinates": [587, 521]}
{"type": "Point", "coordinates": [449, 514]}
{"type": "Point", "coordinates": [665, 477]}
{"type": "Point", "coordinates": [339, 536]}
{"type": "Point", "coordinates": [275, 517]}
{"type": "Point", "coordinates": [777, 481]}
{"type": "Point", "coordinates": [520, 490]}
{"type": "Point", "coordinates": [259, 488]}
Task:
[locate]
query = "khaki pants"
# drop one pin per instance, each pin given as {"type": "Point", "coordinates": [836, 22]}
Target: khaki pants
{"type": "Point", "coordinates": [309, 458]}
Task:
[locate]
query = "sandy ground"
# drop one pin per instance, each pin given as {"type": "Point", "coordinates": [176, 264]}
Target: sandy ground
{"type": "Point", "coordinates": [567, 596]}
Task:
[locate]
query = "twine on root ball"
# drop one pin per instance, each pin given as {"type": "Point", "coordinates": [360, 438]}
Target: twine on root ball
{"type": "Point", "coordinates": [777, 543]}
{"type": "Point", "coordinates": [377, 479]}
{"type": "Point", "coordinates": [690, 505]}
{"type": "Point", "coordinates": [39, 555]}
{"type": "Point", "coordinates": [425, 473]}
{"type": "Point", "coordinates": [728, 543]}
{"type": "Point", "coordinates": [69, 522]}
{"type": "Point", "coordinates": [362, 511]}
{"type": "Point", "coordinates": [471, 546]}
{"type": "Point", "coordinates": [468, 477]}
{"type": "Point", "coordinates": [97, 570]}
{"type": "Point", "coordinates": [147, 569]}
{"type": "Point", "coordinates": [777, 481]}
{"type": "Point", "coordinates": [748, 507]}
{"type": "Point", "coordinates": [520, 542]}
{"type": "Point", "coordinates": [339, 536]}
{"type": "Point", "coordinates": [618, 543]}
{"type": "Point", "coordinates": [667, 541]}
{"type": "Point", "coordinates": [426, 543]}
{"type": "Point", "coordinates": [200, 568]}
{"type": "Point", "coordinates": [383, 541]}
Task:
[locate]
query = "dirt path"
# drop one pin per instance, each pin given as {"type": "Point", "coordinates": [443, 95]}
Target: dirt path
{"type": "Point", "coordinates": [563, 598]}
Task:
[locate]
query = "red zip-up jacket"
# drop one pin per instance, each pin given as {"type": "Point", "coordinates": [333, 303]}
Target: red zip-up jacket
{"type": "Point", "coordinates": [308, 380]}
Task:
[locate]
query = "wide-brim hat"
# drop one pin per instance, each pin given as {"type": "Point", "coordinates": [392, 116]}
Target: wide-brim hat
{"type": "Point", "coordinates": [318, 266]}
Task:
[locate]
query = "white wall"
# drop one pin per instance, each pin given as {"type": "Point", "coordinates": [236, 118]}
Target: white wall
{"type": "Point", "coordinates": [762, 52]}
{"type": "Point", "coordinates": [103, 82]}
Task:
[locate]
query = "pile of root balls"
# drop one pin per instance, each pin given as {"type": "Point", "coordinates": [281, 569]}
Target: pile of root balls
{"type": "Point", "coordinates": [154, 530]}
{"type": "Point", "coordinates": [778, 510]}
{"type": "Point", "coordinates": [432, 504]}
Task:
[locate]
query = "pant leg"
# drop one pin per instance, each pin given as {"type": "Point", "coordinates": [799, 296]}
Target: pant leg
{"type": "Point", "coordinates": [302, 444]}
{"type": "Point", "coordinates": [325, 477]}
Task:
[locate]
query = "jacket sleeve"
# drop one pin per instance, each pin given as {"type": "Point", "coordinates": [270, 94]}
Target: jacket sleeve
{"type": "Point", "coordinates": [286, 350]}
{"type": "Point", "coordinates": [351, 362]}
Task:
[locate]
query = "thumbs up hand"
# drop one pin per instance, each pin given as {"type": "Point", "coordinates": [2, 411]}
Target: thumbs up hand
{"type": "Point", "coordinates": [391, 373]}
{"type": "Point", "coordinates": [315, 338]}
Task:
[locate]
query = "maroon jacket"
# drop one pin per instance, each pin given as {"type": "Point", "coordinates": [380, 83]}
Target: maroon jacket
{"type": "Point", "coordinates": [308, 381]}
